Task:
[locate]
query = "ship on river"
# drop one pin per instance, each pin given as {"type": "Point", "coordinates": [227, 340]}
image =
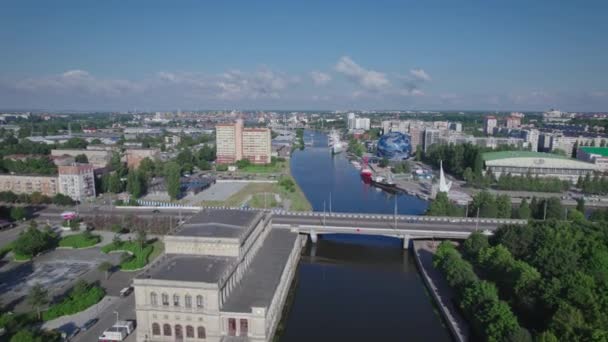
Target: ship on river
{"type": "Point", "coordinates": [335, 144]}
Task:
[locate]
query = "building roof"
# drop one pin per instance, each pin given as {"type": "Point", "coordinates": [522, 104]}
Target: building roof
{"type": "Point", "coordinates": [220, 223]}
{"type": "Point", "coordinates": [519, 154]}
{"type": "Point", "coordinates": [259, 283]}
{"type": "Point", "coordinates": [187, 267]}
{"type": "Point", "coordinates": [602, 151]}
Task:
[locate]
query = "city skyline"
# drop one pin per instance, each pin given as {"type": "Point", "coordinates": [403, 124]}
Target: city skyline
{"type": "Point", "coordinates": [312, 55]}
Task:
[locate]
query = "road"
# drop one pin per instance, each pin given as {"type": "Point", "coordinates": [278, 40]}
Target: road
{"type": "Point", "coordinates": [11, 234]}
{"type": "Point", "coordinates": [126, 311]}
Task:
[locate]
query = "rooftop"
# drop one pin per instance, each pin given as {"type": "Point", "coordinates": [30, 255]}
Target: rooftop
{"type": "Point", "coordinates": [262, 278]}
{"type": "Point", "coordinates": [220, 223]}
{"type": "Point", "coordinates": [602, 151]}
{"type": "Point", "coordinates": [192, 268]}
{"type": "Point", "coordinates": [520, 154]}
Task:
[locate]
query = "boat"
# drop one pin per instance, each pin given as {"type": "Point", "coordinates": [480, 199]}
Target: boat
{"type": "Point", "coordinates": [356, 164]}
{"type": "Point", "coordinates": [366, 172]}
{"type": "Point", "coordinates": [386, 184]}
{"type": "Point", "coordinates": [335, 144]}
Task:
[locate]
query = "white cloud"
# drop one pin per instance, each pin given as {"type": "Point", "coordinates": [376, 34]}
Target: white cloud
{"type": "Point", "coordinates": [368, 79]}
{"type": "Point", "coordinates": [420, 75]}
{"type": "Point", "coordinates": [320, 78]}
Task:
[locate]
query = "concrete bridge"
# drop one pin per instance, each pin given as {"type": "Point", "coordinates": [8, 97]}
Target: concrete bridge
{"type": "Point", "coordinates": [404, 227]}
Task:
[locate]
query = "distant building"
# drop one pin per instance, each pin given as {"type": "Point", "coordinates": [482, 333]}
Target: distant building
{"type": "Point", "coordinates": [235, 143]}
{"type": "Point", "coordinates": [595, 155]}
{"type": "Point", "coordinates": [431, 136]}
{"type": "Point", "coordinates": [513, 121]}
{"type": "Point", "coordinates": [521, 163]}
{"type": "Point", "coordinates": [532, 136]}
{"type": "Point", "coordinates": [557, 116]}
{"type": "Point", "coordinates": [355, 123]}
{"type": "Point", "coordinates": [98, 158]}
{"type": "Point", "coordinates": [489, 123]}
{"type": "Point", "coordinates": [77, 181]}
{"type": "Point", "coordinates": [136, 155]}
{"type": "Point", "coordinates": [27, 184]}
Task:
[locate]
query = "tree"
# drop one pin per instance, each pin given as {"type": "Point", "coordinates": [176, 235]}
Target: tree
{"type": "Point", "coordinates": [383, 162]}
{"type": "Point", "coordinates": [81, 158]}
{"type": "Point", "coordinates": [468, 175]}
{"type": "Point", "coordinates": [523, 212]}
{"type": "Point", "coordinates": [503, 206]}
{"type": "Point", "coordinates": [62, 200]}
{"type": "Point", "coordinates": [105, 267]}
{"type": "Point", "coordinates": [38, 297]}
{"type": "Point", "coordinates": [75, 143]}
{"type": "Point", "coordinates": [18, 213]}
{"type": "Point", "coordinates": [135, 184]}
{"type": "Point", "coordinates": [474, 243]}
{"type": "Point", "coordinates": [25, 336]}
{"type": "Point", "coordinates": [580, 204]}
{"type": "Point", "coordinates": [114, 183]}
{"type": "Point", "coordinates": [141, 238]}
{"type": "Point", "coordinates": [173, 175]}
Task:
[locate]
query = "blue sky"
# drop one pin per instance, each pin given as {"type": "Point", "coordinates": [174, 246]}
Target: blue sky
{"type": "Point", "coordinates": [488, 55]}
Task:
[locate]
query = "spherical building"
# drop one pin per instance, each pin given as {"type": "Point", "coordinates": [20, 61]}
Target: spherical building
{"type": "Point", "coordinates": [394, 145]}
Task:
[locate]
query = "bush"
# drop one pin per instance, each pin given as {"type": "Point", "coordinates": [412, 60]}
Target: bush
{"type": "Point", "coordinates": [82, 296]}
{"type": "Point", "coordinates": [138, 257]}
{"type": "Point", "coordinates": [221, 167]}
{"type": "Point", "coordinates": [33, 241]}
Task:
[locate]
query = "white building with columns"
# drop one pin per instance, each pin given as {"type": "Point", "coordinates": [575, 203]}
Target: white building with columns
{"type": "Point", "coordinates": [224, 276]}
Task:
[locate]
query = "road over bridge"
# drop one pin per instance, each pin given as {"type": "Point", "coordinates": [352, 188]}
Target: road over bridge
{"type": "Point", "coordinates": [405, 227]}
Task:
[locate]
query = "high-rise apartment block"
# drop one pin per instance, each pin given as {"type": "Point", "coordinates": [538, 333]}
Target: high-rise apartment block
{"type": "Point", "coordinates": [489, 123]}
{"type": "Point", "coordinates": [234, 142]}
{"type": "Point", "coordinates": [77, 181]}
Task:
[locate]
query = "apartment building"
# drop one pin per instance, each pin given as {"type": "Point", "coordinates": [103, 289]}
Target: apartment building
{"type": "Point", "coordinates": [27, 184]}
{"type": "Point", "coordinates": [235, 143]}
{"type": "Point", "coordinates": [77, 181]}
{"type": "Point", "coordinates": [98, 158]}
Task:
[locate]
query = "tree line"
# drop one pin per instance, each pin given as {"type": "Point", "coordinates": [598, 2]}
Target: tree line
{"type": "Point", "coordinates": [595, 185]}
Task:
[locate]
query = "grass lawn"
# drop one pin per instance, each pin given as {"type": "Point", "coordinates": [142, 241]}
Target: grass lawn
{"type": "Point", "coordinates": [277, 167]}
{"type": "Point", "coordinates": [263, 200]}
{"type": "Point", "coordinates": [17, 257]}
{"type": "Point", "coordinates": [80, 298]}
{"type": "Point", "coordinates": [81, 240]}
{"type": "Point", "coordinates": [140, 257]}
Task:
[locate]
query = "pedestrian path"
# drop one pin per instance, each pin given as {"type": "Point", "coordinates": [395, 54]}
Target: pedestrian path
{"type": "Point", "coordinates": [68, 323]}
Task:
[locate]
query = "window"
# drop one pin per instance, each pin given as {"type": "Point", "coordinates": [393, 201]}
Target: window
{"type": "Point", "coordinates": [178, 332]}
{"type": "Point", "coordinates": [153, 299]}
{"type": "Point", "coordinates": [166, 330]}
{"type": "Point", "coordinates": [155, 329]}
{"type": "Point", "coordinates": [189, 331]}
{"type": "Point", "coordinates": [200, 332]}
{"type": "Point", "coordinates": [199, 301]}
{"type": "Point", "coordinates": [165, 298]}
{"type": "Point", "coordinates": [188, 301]}
{"type": "Point", "coordinates": [244, 327]}
{"type": "Point", "coordinates": [231, 327]}
{"type": "Point", "coordinates": [175, 300]}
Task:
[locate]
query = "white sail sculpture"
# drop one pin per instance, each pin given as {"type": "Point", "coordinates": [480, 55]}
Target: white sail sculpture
{"type": "Point", "coordinates": [444, 185]}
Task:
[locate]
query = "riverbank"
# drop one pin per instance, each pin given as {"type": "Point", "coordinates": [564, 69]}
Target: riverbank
{"type": "Point", "coordinates": [440, 290]}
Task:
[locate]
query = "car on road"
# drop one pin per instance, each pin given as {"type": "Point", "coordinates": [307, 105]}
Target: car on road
{"type": "Point", "coordinates": [73, 334]}
{"type": "Point", "coordinates": [89, 324]}
{"type": "Point", "coordinates": [126, 291]}
{"type": "Point", "coordinates": [155, 211]}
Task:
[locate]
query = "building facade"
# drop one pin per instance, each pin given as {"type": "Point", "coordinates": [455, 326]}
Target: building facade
{"type": "Point", "coordinates": [595, 155]}
{"type": "Point", "coordinates": [225, 274]}
{"type": "Point", "coordinates": [489, 123]}
{"type": "Point", "coordinates": [522, 163]}
{"type": "Point", "coordinates": [98, 158]}
{"type": "Point", "coordinates": [27, 184]}
{"type": "Point", "coordinates": [235, 143]}
{"type": "Point", "coordinates": [77, 181]}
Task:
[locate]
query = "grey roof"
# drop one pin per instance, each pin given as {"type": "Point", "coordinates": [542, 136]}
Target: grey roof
{"type": "Point", "coordinates": [187, 267]}
{"type": "Point", "coordinates": [262, 278]}
{"type": "Point", "coordinates": [233, 217]}
{"type": "Point", "coordinates": [220, 223]}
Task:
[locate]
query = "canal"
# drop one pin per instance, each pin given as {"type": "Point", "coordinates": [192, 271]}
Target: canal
{"type": "Point", "coordinates": [355, 288]}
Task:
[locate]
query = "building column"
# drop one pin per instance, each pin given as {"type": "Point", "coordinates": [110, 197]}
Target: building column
{"type": "Point", "coordinates": [406, 242]}
{"type": "Point", "coordinates": [313, 236]}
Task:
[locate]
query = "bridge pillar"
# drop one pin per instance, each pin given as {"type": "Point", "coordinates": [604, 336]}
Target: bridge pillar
{"type": "Point", "coordinates": [313, 236]}
{"type": "Point", "coordinates": [406, 242]}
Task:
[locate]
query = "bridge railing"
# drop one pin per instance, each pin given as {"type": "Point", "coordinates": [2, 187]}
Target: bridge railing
{"type": "Point", "coordinates": [414, 218]}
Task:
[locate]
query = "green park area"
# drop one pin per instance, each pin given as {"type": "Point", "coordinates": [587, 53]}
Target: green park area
{"type": "Point", "coordinates": [262, 195]}
{"type": "Point", "coordinates": [81, 297]}
{"type": "Point", "coordinates": [137, 254]}
{"type": "Point", "coordinates": [82, 240]}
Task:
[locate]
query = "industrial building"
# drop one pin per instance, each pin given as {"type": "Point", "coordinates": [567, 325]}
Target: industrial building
{"type": "Point", "coordinates": [521, 163]}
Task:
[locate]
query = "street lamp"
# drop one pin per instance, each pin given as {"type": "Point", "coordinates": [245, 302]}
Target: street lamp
{"type": "Point", "coordinates": [116, 312]}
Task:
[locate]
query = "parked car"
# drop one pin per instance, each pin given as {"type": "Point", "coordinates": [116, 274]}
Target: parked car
{"type": "Point", "coordinates": [73, 334]}
{"type": "Point", "coordinates": [90, 323]}
{"type": "Point", "coordinates": [126, 291]}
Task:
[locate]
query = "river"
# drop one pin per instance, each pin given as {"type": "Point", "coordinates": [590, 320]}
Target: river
{"type": "Point", "coordinates": [355, 288]}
